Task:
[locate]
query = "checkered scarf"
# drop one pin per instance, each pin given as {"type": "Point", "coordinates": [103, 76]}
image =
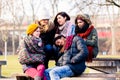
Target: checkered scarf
{"type": "Point", "coordinates": [32, 44]}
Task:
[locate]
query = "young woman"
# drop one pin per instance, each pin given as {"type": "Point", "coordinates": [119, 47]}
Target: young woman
{"type": "Point", "coordinates": [63, 25]}
{"type": "Point", "coordinates": [86, 30]}
{"type": "Point", "coordinates": [32, 44]}
{"type": "Point", "coordinates": [71, 58]}
{"type": "Point", "coordinates": [47, 34]}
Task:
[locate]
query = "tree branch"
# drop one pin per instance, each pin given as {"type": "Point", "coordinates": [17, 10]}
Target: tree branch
{"type": "Point", "coordinates": [113, 2]}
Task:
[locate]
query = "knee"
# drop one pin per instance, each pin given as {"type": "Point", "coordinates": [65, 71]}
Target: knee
{"type": "Point", "coordinates": [46, 73]}
{"type": "Point", "coordinates": [52, 72]}
{"type": "Point", "coordinates": [41, 67]}
{"type": "Point", "coordinates": [31, 72]}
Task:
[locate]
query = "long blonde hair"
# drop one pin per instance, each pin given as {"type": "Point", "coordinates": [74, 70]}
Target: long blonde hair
{"type": "Point", "coordinates": [43, 28]}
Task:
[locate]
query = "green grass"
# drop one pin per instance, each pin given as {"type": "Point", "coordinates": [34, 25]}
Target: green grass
{"type": "Point", "coordinates": [13, 65]}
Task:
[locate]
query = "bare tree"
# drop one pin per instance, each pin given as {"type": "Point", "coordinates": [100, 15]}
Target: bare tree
{"type": "Point", "coordinates": [2, 5]}
{"type": "Point", "coordinates": [54, 6]}
{"type": "Point", "coordinates": [16, 20]}
{"type": "Point", "coordinates": [5, 39]}
{"type": "Point", "coordinates": [33, 10]}
{"type": "Point", "coordinates": [80, 5]}
{"type": "Point", "coordinates": [18, 13]}
{"type": "Point", "coordinates": [114, 2]}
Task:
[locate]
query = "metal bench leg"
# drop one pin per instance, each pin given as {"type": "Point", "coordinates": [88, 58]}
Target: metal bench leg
{"type": "Point", "coordinates": [0, 71]}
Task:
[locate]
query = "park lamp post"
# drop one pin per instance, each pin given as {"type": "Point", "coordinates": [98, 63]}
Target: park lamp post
{"type": "Point", "coordinates": [5, 38]}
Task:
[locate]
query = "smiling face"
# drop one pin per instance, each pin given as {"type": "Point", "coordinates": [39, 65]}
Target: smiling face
{"type": "Point", "coordinates": [36, 33]}
{"type": "Point", "coordinates": [60, 41]}
{"type": "Point", "coordinates": [61, 20]}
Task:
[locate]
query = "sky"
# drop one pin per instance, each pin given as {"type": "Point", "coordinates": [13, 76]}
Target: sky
{"type": "Point", "coordinates": [64, 5]}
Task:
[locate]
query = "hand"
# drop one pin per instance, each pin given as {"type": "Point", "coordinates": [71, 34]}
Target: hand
{"type": "Point", "coordinates": [40, 44]}
{"type": "Point", "coordinates": [85, 39]}
{"type": "Point", "coordinates": [72, 61]}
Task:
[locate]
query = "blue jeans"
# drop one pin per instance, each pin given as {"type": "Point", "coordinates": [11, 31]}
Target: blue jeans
{"type": "Point", "coordinates": [58, 72]}
{"type": "Point", "coordinates": [48, 48]}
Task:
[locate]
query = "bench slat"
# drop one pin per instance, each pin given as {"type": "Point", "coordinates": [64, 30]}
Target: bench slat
{"type": "Point", "coordinates": [94, 76]}
{"type": "Point", "coordinates": [105, 65]}
{"type": "Point", "coordinates": [100, 75]}
{"type": "Point", "coordinates": [3, 62]}
{"type": "Point", "coordinates": [106, 59]}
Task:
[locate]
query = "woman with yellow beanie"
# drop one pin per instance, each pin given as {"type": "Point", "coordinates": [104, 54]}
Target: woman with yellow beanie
{"type": "Point", "coordinates": [32, 43]}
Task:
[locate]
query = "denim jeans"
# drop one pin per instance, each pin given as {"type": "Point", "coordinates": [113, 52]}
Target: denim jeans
{"type": "Point", "coordinates": [58, 72]}
{"type": "Point", "coordinates": [49, 53]}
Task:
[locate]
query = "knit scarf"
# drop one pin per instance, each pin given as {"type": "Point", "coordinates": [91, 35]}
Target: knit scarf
{"type": "Point", "coordinates": [32, 44]}
{"type": "Point", "coordinates": [90, 48]}
{"type": "Point", "coordinates": [68, 43]}
{"type": "Point", "coordinates": [64, 29]}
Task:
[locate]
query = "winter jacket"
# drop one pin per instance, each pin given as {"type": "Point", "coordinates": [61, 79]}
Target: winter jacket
{"type": "Point", "coordinates": [48, 36]}
{"type": "Point", "coordinates": [78, 53]}
{"type": "Point", "coordinates": [30, 44]}
{"type": "Point", "coordinates": [92, 40]}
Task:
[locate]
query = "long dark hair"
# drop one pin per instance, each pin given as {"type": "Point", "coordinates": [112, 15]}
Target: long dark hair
{"type": "Point", "coordinates": [81, 30]}
{"type": "Point", "coordinates": [84, 28]}
{"type": "Point", "coordinates": [63, 14]}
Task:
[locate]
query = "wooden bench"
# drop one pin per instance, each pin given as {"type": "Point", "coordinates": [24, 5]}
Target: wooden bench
{"type": "Point", "coordinates": [2, 62]}
{"type": "Point", "coordinates": [88, 76]}
{"type": "Point", "coordinates": [105, 65]}
{"type": "Point", "coordinates": [94, 76]}
{"type": "Point", "coordinates": [109, 69]}
{"type": "Point", "coordinates": [21, 76]}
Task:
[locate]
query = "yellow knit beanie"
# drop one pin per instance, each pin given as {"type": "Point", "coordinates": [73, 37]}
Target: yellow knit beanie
{"type": "Point", "coordinates": [31, 28]}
